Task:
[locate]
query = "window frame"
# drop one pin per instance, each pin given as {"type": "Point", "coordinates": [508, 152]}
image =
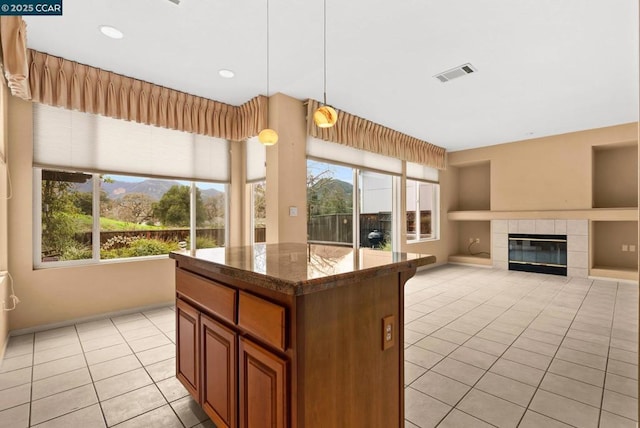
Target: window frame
{"type": "Point", "coordinates": [435, 211]}
{"type": "Point", "coordinates": [95, 229]}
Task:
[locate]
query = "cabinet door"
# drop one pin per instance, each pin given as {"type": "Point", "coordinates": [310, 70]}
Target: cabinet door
{"type": "Point", "coordinates": [219, 373]}
{"type": "Point", "coordinates": [263, 387]}
{"type": "Point", "coordinates": [188, 344]}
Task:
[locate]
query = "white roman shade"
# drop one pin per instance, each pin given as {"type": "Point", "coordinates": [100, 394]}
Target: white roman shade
{"type": "Point", "coordinates": [338, 153]}
{"type": "Point", "coordinates": [87, 142]}
{"type": "Point", "coordinates": [256, 160]}
{"type": "Point", "coordinates": [421, 172]}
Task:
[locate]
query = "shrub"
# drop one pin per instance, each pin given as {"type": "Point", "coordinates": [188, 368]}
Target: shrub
{"type": "Point", "coordinates": [203, 242]}
{"type": "Point", "coordinates": [75, 251]}
{"type": "Point", "coordinates": [136, 247]}
{"type": "Point", "coordinates": [150, 247]}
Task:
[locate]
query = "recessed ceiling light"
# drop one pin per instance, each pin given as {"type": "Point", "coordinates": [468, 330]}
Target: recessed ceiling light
{"type": "Point", "coordinates": [227, 74]}
{"type": "Point", "coordinates": [111, 32]}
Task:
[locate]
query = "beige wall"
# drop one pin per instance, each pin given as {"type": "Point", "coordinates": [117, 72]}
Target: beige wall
{"type": "Point", "coordinates": [550, 173]}
{"type": "Point", "coordinates": [4, 285]}
{"type": "Point", "coordinates": [287, 171]}
{"type": "Point", "coordinates": [57, 295]}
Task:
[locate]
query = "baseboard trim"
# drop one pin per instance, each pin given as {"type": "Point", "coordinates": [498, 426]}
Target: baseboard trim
{"type": "Point", "coordinates": [90, 318]}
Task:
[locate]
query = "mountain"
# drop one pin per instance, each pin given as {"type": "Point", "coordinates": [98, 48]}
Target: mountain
{"type": "Point", "coordinates": [153, 188]}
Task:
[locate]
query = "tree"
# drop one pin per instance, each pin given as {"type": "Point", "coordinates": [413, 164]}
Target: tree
{"type": "Point", "coordinates": [173, 208]}
{"type": "Point", "coordinates": [135, 208]}
{"type": "Point", "coordinates": [58, 208]}
{"type": "Point", "coordinates": [260, 204]}
{"type": "Point", "coordinates": [214, 210]}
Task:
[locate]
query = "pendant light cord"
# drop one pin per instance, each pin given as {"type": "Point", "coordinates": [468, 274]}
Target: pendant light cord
{"type": "Point", "coordinates": [324, 36]}
{"type": "Point", "coordinates": [268, 48]}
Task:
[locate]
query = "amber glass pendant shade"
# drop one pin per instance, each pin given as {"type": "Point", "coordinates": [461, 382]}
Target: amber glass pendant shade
{"type": "Point", "coordinates": [325, 117]}
{"type": "Point", "coordinates": [268, 137]}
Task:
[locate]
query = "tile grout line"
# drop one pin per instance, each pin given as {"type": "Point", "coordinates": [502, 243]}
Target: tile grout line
{"type": "Point", "coordinates": [93, 384]}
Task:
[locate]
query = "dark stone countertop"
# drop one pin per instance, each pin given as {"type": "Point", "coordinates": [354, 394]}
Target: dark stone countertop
{"type": "Point", "coordinates": [298, 269]}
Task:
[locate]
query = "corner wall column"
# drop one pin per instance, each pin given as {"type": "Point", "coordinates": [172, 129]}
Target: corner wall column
{"type": "Point", "coordinates": [287, 171]}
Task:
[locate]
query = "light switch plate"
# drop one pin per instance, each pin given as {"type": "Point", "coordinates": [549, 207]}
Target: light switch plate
{"type": "Point", "coordinates": [293, 211]}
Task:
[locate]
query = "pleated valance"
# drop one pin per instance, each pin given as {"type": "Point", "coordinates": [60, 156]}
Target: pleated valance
{"type": "Point", "coordinates": [63, 83]}
{"type": "Point", "coordinates": [13, 37]}
{"type": "Point", "coordinates": [359, 133]}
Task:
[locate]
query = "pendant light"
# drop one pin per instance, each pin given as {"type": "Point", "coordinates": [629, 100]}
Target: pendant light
{"type": "Point", "coordinates": [268, 136]}
{"type": "Point", "coordinates": [325, 116]}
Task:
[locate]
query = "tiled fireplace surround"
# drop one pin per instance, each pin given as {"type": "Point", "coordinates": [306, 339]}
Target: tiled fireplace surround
{"type": "Point", "coordinates": [577, 232]}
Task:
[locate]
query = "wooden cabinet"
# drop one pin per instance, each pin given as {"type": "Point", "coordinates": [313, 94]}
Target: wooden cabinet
{"type": "Point", "coordinates": [188, 347]}
{"type": "Point", "coordinates": [237, 381]}
{"type": "Point", "coordinates": [219, 373]}
{"type": "Point", "coordinates": [262, 387]}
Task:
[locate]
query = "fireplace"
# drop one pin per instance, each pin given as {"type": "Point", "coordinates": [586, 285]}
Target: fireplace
{"type": "Point", "coordinates": [538, 253]}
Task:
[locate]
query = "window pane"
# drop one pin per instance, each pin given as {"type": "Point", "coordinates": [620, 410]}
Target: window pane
{"type": "Point", "coordinates": [329, 203]}
{"type": "Point", "coordinates": [142, 216]}
{"type": "Point", "coordinates": [421, 209]}
{"type": "Point", "coordinates": [411, 207]}
{"type": "Point", "coordinates": [259, 211]}
{"type": "Point", "coordinates": [376, 218]}
{"type": "Point", "coordinates": [210, 215]}
{"type": "Point", "coordinates": [426, 207]}
{"type": "Point", "coordinates": [67, 206]}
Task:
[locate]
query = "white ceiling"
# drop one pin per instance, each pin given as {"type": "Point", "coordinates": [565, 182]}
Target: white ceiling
{"type": "Point", "coordinates": [544, 66]}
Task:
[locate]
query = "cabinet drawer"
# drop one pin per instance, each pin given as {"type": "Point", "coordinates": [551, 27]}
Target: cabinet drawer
{"type": "Point", "coordinates": [214, 297]}
{"type": "Point", "coordinates": [263, 319]}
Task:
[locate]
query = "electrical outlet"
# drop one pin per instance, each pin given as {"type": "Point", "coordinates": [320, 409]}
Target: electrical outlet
{"type": "Point", "coordinates": [388, 332]}
{"type": "Point", "coordinates": [632, 248]}
{"type": "Point", "coordinates": [625, 247]}
{"type": "Point", "coordinates": [477, 240]}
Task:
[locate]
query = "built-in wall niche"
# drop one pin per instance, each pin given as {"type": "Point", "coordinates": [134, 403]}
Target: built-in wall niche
{"type": "Point", "coordinates": [615, 246]}
{"type": "Point", "coordinates": [474, 187]}
{"type": "Point", "coordinates": [474, 243]}
{"type": "Point", "coordinates": [615, 176]}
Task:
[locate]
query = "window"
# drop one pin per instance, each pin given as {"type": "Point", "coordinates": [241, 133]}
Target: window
{"type": "Point", "coordinates": [335, 217]}
{"type": "Point", "coordinates": [97, 194]}
{"type": "Point", "coordinates": [422, 210]}
{"type": "Point", "coordinates": [87, 217]}
{"type": "Point", "coordinates": [259, 204]}
{"type": "Point", "coordinates": [329, 203]}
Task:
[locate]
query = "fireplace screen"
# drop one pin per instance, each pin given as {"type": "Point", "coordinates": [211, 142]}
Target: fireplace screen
{"type": "Point", "coordinates": [538, 253]}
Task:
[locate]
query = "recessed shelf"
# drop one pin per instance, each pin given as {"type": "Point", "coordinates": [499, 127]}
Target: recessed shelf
{"type": "Point", "coordinates": [615, 175]}
{"type": "Point", "coordinates": [614, 272]}
{"type": "Point", "coordinates": [481, 260]}
{"type": "Point", "coordinates": [615, 245]}
{"type": "Point", "coordinates": [596, 214]}
{"type": "Point", "coordinates": [474, 186]}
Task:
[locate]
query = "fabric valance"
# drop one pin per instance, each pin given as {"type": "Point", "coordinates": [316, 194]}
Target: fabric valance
{"type": "Point", "coordinates": [359, 133]}
{"type": "Point", "coordinates": [63, 83]}
{"type": "Point", "coordinates": [13, 37]}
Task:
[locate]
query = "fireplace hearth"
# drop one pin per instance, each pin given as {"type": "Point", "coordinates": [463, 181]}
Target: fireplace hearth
{"type": "Point", "coordinates": [538, 253]}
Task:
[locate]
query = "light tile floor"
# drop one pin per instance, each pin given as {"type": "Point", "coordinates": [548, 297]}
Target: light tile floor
{"type": "Point", "coordinates": [488, 347]}
{"type": "Point", "coordinates": [483, 348]}
{"type": "Point", "coordinates": [112, 372]}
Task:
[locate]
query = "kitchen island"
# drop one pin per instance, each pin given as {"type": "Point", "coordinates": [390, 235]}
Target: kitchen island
{"type": "Point", "coordinates": [293, 335]}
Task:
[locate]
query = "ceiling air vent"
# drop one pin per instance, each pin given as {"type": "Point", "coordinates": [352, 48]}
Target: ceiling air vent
{"type": "Point", "coordinates": [454, 73]}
